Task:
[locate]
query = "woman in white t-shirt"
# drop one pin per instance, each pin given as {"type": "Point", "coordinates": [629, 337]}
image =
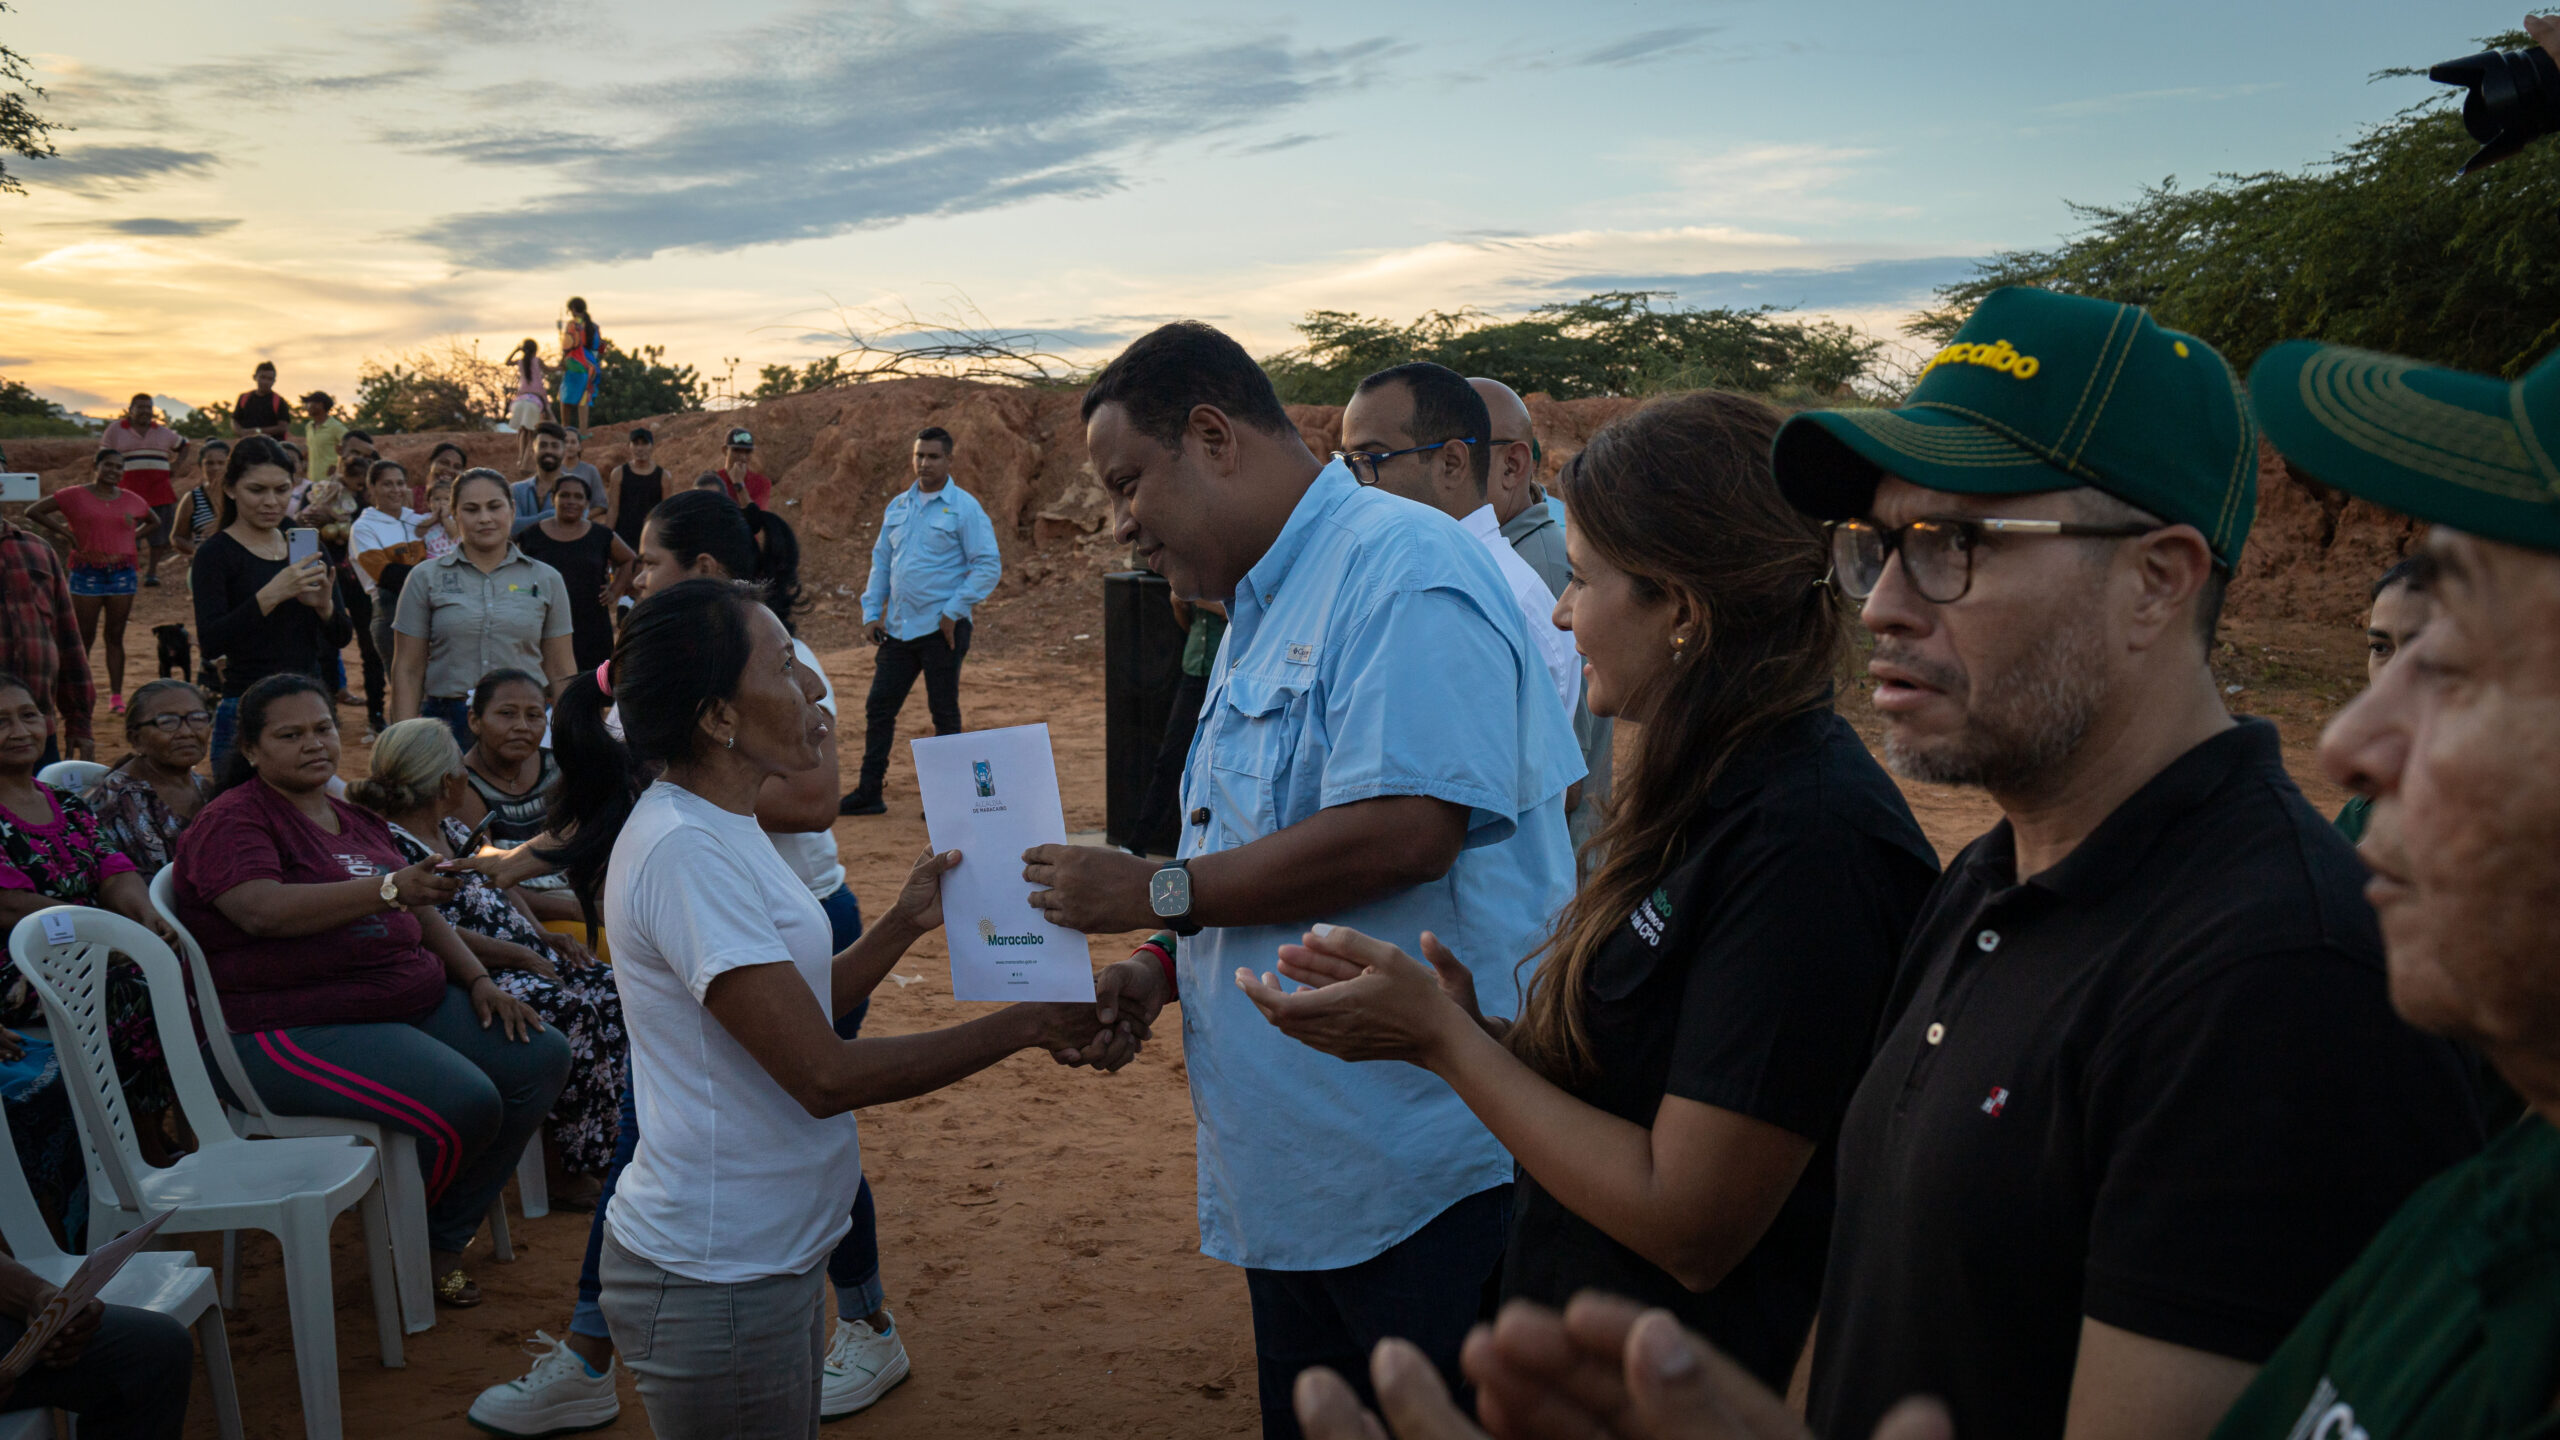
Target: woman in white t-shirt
{"type": "Point", "coordinates": [719, 1229]}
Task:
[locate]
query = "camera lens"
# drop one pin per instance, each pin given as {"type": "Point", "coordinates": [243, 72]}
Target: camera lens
{"type": "Point", "coordinates": [2515, 98]}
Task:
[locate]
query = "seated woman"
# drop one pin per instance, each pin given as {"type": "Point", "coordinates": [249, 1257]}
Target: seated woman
{"type": "Point", "coordinates": [52, 852]}
{"type": "Point", "coordinates": [123, 1371]}
{"type": "Point", "coordinates": [346, 993]}
{"type": "Point", "coordinates": [153, 792]}
{"type": "Point", "coordinates": [416, 784]}
{"type": "Point", "coordinates": [510, 772]}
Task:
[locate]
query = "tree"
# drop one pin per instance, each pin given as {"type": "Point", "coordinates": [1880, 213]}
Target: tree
{"type": "Point", "coordinates": [961, 344]}
{"type": "Point", "coordinates": [24, 413]}
{"type": "Point", "coordinates": [22, 130]}
{"type": "Point", "coordinates": [2379, 246]}
{"type": "Point", "coordinates": [206, 422]}
{"type": "Point", "coordinates": [633, 387]}
{"type": "Point", "coordinates": [1618, 342]}
{"type": "Point", "coordinates": [446, 385]}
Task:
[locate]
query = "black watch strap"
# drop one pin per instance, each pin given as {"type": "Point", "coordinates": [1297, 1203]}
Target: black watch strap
{"type": "Point", "coordinates": [1182, 925]}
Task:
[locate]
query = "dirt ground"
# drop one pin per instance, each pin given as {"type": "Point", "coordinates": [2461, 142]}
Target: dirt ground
{"type": "Point", "coordinates": [1036, 1225]}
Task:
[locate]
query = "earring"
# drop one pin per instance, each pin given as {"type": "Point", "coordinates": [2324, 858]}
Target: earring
{"type": "Point", "coordinates": [1679, 643]}
{"type": "Point", "coordinates": [729, 744]}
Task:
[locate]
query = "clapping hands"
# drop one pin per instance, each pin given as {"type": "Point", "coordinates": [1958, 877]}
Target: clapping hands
{"type": "Point", "coordinates": [1604, 1369]}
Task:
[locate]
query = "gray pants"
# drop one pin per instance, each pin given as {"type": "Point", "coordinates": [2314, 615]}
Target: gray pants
{"type": "Point", "coordinates": [718, 1362]}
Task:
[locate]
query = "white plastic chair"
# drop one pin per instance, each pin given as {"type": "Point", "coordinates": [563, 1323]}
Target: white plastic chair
{"type": "Point", "coordinates": [292, 1189]}
{"type": "Point", "coordinates": [27, 1425]}
{"type": "Point", "coordinates": [404, 1186]}
{"type": "Point", "coordinates": [169, 1282]}
{"type": "Point", "coordinates": [71, 776]}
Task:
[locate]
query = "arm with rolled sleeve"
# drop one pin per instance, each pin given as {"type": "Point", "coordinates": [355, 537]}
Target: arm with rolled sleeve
{"type": "Point", "coordinates": [875, 591]}
{"type": "Point", "coordinates": [986, 564]}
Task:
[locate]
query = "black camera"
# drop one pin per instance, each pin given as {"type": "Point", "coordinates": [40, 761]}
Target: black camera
{"type": "Point", "coordinates": [2515, 98]}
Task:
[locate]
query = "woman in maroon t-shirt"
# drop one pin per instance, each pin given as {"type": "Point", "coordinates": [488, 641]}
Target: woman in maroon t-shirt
{"type": "Point", "coordinates": [346, 993]}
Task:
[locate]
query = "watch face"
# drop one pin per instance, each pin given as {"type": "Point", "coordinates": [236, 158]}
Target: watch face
{"type": "Point", "coordinates": [1169, 891]}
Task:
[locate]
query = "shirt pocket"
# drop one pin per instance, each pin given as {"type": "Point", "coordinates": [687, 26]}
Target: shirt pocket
{"type": "Point", "coordinates": [1259, 720]}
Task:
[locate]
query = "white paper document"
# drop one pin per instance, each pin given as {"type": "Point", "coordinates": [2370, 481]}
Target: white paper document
{"type": "Point", "coordinates": [992, 794]}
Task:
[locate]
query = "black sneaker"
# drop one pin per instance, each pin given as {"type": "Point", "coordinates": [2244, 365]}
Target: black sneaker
{"type": "Point", "coordinates": [151, 580]}
{"type": "Point", "coordinates": [862, 802]}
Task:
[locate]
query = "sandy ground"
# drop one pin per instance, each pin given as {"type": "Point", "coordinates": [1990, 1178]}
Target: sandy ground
{"type": "Point", "coordinates": [1036, 1225]}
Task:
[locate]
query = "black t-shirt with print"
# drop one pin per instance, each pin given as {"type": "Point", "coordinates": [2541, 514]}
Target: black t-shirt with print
{"type": "Point", "coordinates": [1751, 979]}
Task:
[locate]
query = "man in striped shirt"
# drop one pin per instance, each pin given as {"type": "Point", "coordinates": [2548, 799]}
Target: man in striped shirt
{"type": "Point", "coordinates": [151, 450]}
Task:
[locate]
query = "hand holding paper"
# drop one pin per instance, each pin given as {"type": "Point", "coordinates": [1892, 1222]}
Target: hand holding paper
{"type": "Point", "coordinates": [995, 793]}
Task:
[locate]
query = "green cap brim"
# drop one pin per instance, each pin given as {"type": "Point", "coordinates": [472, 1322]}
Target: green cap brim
{"type": "Point", "coordinates": [2438, 445]}
{"type": "Point", "coordinates": [1828, 462]}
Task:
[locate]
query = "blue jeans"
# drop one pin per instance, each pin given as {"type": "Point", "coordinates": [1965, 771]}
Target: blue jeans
{"type": "Point", "coordinates": [226, 724]}
{"type": "Point", "coordinates": [454, 712]}
{"type": "Point", "coordinates": [855, 1265]}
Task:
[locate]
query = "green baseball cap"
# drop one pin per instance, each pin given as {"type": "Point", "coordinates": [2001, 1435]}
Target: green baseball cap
{"type": "Point", "coordinates": [2041, 391]}
{"type": "Point", "coordinates": [2470, 451]}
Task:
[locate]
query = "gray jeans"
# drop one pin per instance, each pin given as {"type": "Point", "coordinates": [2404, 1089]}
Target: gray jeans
{"type": "Point", "coordinates": [718, 1362]}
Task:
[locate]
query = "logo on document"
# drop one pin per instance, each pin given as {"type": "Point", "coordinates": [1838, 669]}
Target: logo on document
{"type": "Point", "coordinates": [986, 778]}
{"type": "Point", "coordinates": [987, 933]}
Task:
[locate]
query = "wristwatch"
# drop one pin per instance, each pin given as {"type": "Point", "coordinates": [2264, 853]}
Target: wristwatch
{"type": "Point", "coordinates": [391, 889]}
{"type": "Point", "coordinates": [1169, 896]}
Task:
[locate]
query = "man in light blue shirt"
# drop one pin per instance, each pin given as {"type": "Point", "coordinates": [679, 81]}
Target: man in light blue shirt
{"type": "Point", "coordinates": [934, 561]}
{"type": "Point", "coordinates": [1380, 747]}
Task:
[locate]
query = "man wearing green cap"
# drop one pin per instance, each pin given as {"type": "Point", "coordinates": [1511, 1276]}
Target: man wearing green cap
{"type": "Point", "coordinates": [2141, 1095]}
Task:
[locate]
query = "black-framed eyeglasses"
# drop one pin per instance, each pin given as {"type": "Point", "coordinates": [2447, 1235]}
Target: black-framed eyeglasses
{"type": "Point", "coordinates": [1364, 463]}
{"type": "Point", "coordinates": [170, 723]}
{"type": "Point", "coordinates": [1937, 550]}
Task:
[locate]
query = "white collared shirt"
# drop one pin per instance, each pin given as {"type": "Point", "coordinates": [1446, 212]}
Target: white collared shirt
{"type": "Point", "coordinates": [1537, 605]}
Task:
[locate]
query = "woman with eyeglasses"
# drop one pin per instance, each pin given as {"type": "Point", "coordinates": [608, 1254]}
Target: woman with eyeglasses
{"type": "Point", "coordinates": [151, 794]}
{"type": "Point", "coordinates": [53, 852]}
{"type": "Point", "coordinates": [1688, 1044]}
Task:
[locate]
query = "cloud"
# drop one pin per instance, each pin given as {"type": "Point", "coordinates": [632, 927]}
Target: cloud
{"type": "Point", "coordinates": [1645, 48]}
{"type": "Point", "coordinates": [1285, 142]}
{"type": "Point", "coordinates": [851, 117]}
{"type": "Point", "coordinates": [1861, 285]}
{"type": "Point", "coordinates": [159, 225]}
{"type": "Point", "coordinates": [103, 169]}
{"type": "Point", "coordinates": [2138, 99]}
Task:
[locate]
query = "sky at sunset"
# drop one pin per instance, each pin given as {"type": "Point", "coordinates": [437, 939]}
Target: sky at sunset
{"type": "Point", "coordinates": [324, 184]}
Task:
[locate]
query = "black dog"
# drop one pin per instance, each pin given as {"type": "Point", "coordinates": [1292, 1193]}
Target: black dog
{"type": "Point", "coordinates": [176, 652]}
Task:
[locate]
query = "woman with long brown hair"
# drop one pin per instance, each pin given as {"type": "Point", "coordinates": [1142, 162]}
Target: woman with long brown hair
{"type": "Point", "coordinates": [1704, 1006]}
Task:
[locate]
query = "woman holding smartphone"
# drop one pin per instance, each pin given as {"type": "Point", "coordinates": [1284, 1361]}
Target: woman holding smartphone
{"type": "Point", "coordinates": [263, 607]}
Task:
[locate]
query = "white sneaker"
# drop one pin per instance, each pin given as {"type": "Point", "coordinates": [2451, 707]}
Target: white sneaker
{"type": "Point", "coordinates": [555, 1397]}
{"type": "Point", "coordinates": [862, 1365]}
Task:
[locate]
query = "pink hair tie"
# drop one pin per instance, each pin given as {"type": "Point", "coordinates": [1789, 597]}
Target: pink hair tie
{"type": "Point", "coordinates": [604, 679]}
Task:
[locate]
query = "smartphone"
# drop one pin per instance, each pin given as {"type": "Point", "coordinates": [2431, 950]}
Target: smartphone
{"type": "Point", "coordinates": [300, 544]}
{"type": "Point", "coordinates": [470, 845]}
{"type": "Point", "coordinates": [20, 488]}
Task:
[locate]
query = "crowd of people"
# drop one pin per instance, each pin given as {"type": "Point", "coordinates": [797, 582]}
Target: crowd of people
{"type": "Point", "coordinates": [1583, 1038]}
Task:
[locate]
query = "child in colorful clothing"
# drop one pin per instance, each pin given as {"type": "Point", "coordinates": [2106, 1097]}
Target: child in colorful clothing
{"type": "Point", "coordinates": [581, 353]}
{"type": "Point", "coordinates": [104, 524]}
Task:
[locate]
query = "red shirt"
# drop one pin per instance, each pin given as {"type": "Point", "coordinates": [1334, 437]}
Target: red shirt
{"type": "Point", "coordinates": [40, 633]}
{"type": "Point", "coordinates": [372, 971]}
{"type": "Point", "coordinates": [102, 529]}
{"type": "Point", "coordinates": [148, 454]}
{"type": "Point", "coordinates": [755, 486]}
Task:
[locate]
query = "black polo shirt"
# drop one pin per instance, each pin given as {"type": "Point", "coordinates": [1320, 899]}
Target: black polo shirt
{"type": "Point", "coordinates": [1750, 978]}
{"type": "Point", "coordinates": [2159, 1085]}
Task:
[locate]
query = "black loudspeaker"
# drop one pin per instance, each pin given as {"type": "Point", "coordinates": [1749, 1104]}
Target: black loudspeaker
{"type": "Point", "coordinates": [1141, 668]}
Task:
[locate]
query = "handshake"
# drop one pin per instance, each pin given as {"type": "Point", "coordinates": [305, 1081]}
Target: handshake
{"type": "Point", "coordinates": [1108, 1033]}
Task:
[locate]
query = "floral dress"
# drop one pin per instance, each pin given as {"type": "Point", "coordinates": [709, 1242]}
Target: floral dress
{"type": "Point", "coordinates": [69, 862]}
{"type": "Point", "coordinates": [134, 819]}
{"type": "Point", "coordinates": [582, 1005]}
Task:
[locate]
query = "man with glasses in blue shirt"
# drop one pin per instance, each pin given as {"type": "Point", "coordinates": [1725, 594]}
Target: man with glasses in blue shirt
{"type": "Point", "coordinates": [1381, 747]}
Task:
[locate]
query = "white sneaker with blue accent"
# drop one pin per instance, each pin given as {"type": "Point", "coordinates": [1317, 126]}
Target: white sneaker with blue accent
{"type": "Point", "coordinates": [557, 1396]}
{"type": "Point", "coordinates": [862, 1366]}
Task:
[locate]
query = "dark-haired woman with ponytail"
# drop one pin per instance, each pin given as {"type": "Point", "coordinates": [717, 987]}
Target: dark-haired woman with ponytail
{"type": "Point", "coordinates": [1676, 1078]}
{"type": "Point", "coordinates": [256, 613]}
{"type": "Point", "coordinates": [346, 992]}
{"type": "Point", "coordinates": [717, 1236]}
